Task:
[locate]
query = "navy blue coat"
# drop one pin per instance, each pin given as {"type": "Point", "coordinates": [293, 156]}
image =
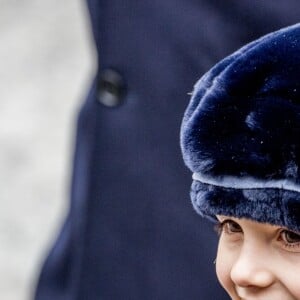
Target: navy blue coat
{"type": "Point", "coordinates": [131, 232]}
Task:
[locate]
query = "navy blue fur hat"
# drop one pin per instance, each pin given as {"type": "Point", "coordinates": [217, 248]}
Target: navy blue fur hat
{"type": "Point", "coordinates": [240, 134]}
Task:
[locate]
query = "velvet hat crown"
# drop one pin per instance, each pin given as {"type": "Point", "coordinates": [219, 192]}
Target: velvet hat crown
{"type": "Point", "coordinates": [240, 134]}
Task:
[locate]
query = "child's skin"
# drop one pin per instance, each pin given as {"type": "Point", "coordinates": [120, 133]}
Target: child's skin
{"type": "Point", "coordinates": [258, 261]}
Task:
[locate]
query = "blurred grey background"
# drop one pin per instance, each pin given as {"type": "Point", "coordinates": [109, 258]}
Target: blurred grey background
{"type": "Point", "coordinates": [45, 67]}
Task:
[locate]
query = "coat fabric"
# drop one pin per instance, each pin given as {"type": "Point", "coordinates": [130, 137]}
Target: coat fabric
{"type": "Point", "coordinates": [130, 232]}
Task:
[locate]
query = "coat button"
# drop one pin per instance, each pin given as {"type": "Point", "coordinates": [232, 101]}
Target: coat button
{"type": "Point", "coordinates": [110, 88]}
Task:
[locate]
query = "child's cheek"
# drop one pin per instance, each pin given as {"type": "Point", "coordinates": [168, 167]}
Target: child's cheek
{"type": "Point", "coordinates": [222, 273]}
{"type": "Point", "coordinates": [223, 269]}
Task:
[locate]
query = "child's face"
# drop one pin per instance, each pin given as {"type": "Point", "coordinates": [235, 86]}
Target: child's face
{"type": "Point", "coordinates": [258, 261]}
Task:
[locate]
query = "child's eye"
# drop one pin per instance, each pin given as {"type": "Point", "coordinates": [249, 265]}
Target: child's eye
{"type": "Point", "coordinates": [290, 240]}
{"type": "Point", "coordinates": [228, 226]}
{"type": "Point", "coordinates": [290, 237]}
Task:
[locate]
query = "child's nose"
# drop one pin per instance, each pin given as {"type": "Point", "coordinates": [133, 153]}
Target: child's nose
{"type": "Point", "coordinates": [251, 269]}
